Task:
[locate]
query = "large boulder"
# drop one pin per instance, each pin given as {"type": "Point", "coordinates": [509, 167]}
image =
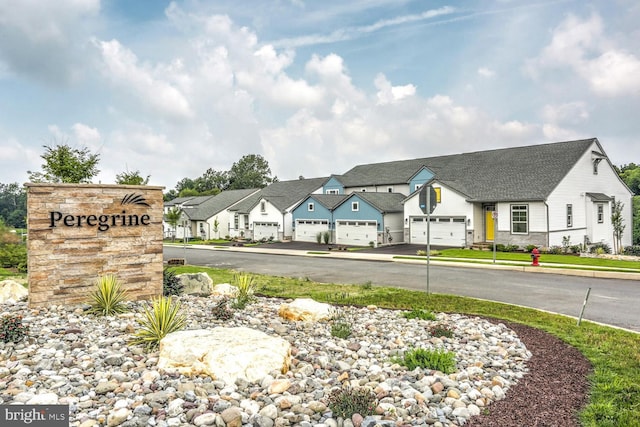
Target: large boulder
{"type": "Point", "coordinates": [305, 309]}
{"type": "Point", "coordinates": [226, 354]}
{"type": "Point", "coordinates": [199, 284]}
{"type": "Point", "coordinates": [225, 290]}
{"type": "Point", "coordinates": [12, 291]}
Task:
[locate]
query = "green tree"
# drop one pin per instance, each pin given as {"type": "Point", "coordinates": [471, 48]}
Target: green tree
{"type": "Point", "coordinates": [617, 221]}
{"type": "Point", "coordinates": [66, 164]}
{"type": "Point", "coordinates": [636, 220]}
{"type": "Point", "coordinates": [13, 205]}
{"type": "Point", "coordinates": [630, 174]}
{"type": "Point", "coordinates": [173, 217]}
{"type": "Point", "coordinates": [131, 178]}
{"type": "Point", "coordinates": [251, 171]}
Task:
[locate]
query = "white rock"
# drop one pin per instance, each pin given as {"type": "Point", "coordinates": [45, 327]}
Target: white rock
{"type": "Point", "coordinates": [305, 309]}
{"type": "Point", "coordinates": [196, 283]}
{"type": "Point", "coordinates": [224, 353]}
{"type": "Point", "coordinates": [12, 291]}
{"type": "Point", "coordinates": [225, 289]}
{"type": "Point", "coordinates": [43, 399]}
{"type": "Point", "coordinates": [117, 416]}
{"type": "Point", "coordinates": [207, 419]}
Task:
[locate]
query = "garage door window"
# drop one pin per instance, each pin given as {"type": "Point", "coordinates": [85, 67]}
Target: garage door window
{"type": "Point", "coordinates": [519, 219]}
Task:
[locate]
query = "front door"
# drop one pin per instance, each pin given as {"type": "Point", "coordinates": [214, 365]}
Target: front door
{"type": "Point", "coordinates": [489, 225]}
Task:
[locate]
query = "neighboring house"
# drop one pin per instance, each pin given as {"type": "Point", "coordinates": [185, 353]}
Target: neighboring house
{"type": "Point", "coordinates": [210, 219]}
{"type": "Point", "coordinates": [314, 215]}
{"type": "Point", "coordinates": [359, 219]}
{"type": "Point", "coordinates": [267, 213]}
{"type": "Point", "coordinates": [183, 227]}
{"type": "Point", "coordinates": [536, 194]}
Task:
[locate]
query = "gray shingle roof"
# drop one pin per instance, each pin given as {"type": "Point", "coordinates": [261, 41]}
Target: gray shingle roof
{"type": "Point", "coordinates": [384, 202]}
{"type": "Point", "coordinates": [282, 194]}
{"type": "Point", "coordinates": [330, 201]}
{"type": "Point", "coordinates": [218, 203]}
{"type": "Point", "coordinates": [517, 173]}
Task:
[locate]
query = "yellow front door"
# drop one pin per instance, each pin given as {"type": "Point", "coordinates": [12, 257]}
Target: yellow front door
{"type": "Point", "coordinates": [488, 225]}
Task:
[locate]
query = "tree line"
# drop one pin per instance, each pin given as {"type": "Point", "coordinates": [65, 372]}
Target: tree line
{"type": "Point", "coordinates": [66, 164]}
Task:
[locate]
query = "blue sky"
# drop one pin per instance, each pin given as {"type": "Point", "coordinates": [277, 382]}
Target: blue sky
{"type": "Point", "coordinates": [173, 88]}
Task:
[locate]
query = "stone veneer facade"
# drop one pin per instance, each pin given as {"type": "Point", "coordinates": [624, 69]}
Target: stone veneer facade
{"type": "Point", "coordinates": [79, 232]}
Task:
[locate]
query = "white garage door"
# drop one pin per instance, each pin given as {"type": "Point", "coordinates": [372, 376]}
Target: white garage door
{"type": "Point", "coordinates": [308, 229]}
{"type": "Point", "coordinates": [445, 231]}
{"type": "Point", "coordinates": [358, 233]}
{"type": "Point", "coordinates": [265, 230]}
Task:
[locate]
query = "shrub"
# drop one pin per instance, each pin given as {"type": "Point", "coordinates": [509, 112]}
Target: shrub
{"type": "Point", "coordinates": [419, 314]}
{"type": "Point", "coordinates": [221, 310]}
{"type": "Point", "coordinates": [555, 250]}
{"type": "Point", "coordinates": [246, 289]}
{"type": "Point", "coordinates": [600, 248]}
{"type": "Point", "coordinates": [161, 319]}
{"type": "Point", "coordinates": [325, 237]}
{"type": "Point", "coordinates": [438, 360]}
{"type": "Point", "coordinates": [439, 331]}
{"type": "Point", "coordinates": [576, 249]}
{"type": "Point", "coordinates": [530, 247]}
{"type": "Point", "coordinates": [12, 329]}
{"type": "Point", "coordinates": [171, 284]}
{"type": "Point", "coordinates": [346, 401]}
{"type": "Point", "coordinates": [319, 237]}
{"type": "Point", "coordinates": [108, 298]}
{"type": "Point", "coordinates": [340, 323]}
{"type": "Point", "coordinates": [632, 250]}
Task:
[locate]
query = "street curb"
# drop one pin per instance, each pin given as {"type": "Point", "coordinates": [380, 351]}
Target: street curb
{"type": "Point", "coordinates": [600, 274]}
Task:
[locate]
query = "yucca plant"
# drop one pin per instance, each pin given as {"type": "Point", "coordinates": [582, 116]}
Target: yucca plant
{"type": "Point", "coordinates": [163, 317]}
{"type": "Point", "coordinates": [246, 288]}
{"type": "Point", "coordinates": [108, 298]}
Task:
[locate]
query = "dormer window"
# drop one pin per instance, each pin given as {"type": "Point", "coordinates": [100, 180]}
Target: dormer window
{"type": "Point", "coordinates": [355, 206]}
{"type": "Point", "coordinates": [263, 206]}
{"type": "Point", "coordinates": [310, 207]}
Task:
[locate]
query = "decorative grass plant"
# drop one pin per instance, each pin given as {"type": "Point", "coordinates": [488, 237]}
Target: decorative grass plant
{"type": "Point", "coordinates": [437, 360]}
{"type": "Point", "coordinates": [246, 289]}
{"type": "Point", "coordinates": [163, 317]}
{"type": "Point", "coordinates": [108, 298]}
{"type": "Point", "coordinates": [346, 401]}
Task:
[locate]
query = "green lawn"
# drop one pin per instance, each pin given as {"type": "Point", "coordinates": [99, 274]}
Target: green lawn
{"type": "Point", "coordinates": [544, 258]}
{"type": "Point", "coordinates": [614, 354]}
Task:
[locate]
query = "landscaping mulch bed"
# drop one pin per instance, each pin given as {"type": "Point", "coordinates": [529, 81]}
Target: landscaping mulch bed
{"type": "Point", "coordinates": [553, 391]}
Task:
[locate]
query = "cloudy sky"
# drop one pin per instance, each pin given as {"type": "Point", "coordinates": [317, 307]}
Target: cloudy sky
{"type": "Point", "coordinates": [173, 88]}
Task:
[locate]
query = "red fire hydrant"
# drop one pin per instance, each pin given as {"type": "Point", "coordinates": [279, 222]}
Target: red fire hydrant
{"type": "Point", "coordinates": [535, 256]}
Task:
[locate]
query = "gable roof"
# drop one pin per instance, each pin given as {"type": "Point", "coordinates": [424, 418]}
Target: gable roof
{"type": "Point", "coordinates": [508, 174]}
{"type": "Point", "coordinates": [218, 203]}
{"type": "Point", "coordinates": [384, 202]}
{"type": "Point", "coordinates": [281, 194]}
{"type": "Point", "coordinates": [329, 201]}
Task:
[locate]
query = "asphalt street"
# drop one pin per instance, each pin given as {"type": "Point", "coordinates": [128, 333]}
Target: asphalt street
{"type": "Point", "coordinates": [611, 301]}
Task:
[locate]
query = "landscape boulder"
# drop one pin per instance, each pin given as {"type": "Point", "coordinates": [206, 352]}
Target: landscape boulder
{"type": "Point", "coordinates": [305, 309]}
{"type": "Point", "coordinates": [12, 291]}
{"type": "Point", "coordinates": [199, 284]}
{"type": "Point", "coordinates": [226, 354]}
{"type": "Point", "coordinates": [225, 290]}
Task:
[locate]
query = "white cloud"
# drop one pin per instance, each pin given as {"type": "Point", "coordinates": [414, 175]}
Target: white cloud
{"type": "Point", "coordinates": [486, 72]}
{"type": "Point", "coordinates": [44, 40]}
{"type": "Point", "coordinates": [388, 94]}
{"type": "Point", "coordinates": [569, 113]}
{"type": "Point", "coordinates": [152, 86]}
{"type": "Point", "coordinates": [86, 135]}
{"type": "Point", "coordinates": [582, 47]}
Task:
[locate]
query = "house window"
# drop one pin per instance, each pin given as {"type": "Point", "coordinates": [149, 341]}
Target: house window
{"type": "Point", "coordinates": [595, 165]}
{"type": "Point", "coordinates": [334, 191]}
{"type": "Point", "coordinates": [355, 206]}
{"type": "Point", "coordinates": [363, 190]}
{"type": "Point", "coordinates": [310, 207]}
{"type": "Point", "coordinates": [519, 219]}
{"type": "Point", "coordinates": [600, 213]}
{"type": "Point", "coordinates": [389, 189]}
{"type": "Point", "coordinates": [569, 215]}
{"type": "Point", "coordinates": [246, 222]}
{"type": "Point", "coordinates": [235, 221]}
{"type": "Point", "coordinates": [263, 206]}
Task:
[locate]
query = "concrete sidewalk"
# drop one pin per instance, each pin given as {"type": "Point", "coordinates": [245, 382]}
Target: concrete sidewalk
{"type": "Point", "coordinates": [407, 254]}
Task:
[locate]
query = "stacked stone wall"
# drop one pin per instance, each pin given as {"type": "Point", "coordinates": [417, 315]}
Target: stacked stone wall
{"type": "Point", "coordinates": [79, 232]}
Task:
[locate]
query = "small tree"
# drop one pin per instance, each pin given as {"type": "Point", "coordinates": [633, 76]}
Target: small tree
{"type": "Point", "coordinates": [618, 226]}
{"type": "Point", "coordinates": [131, 178]}
{"type": "Point", "coordinates": [173, 217]}
{"type": "Point", "coordinates": [66, 164]}
{"type": "Point", "coordinates": [216, 226]}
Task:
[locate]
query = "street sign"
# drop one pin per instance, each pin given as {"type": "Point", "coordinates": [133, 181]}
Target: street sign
{"type": "Point", "coordinates": [422, 199]}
